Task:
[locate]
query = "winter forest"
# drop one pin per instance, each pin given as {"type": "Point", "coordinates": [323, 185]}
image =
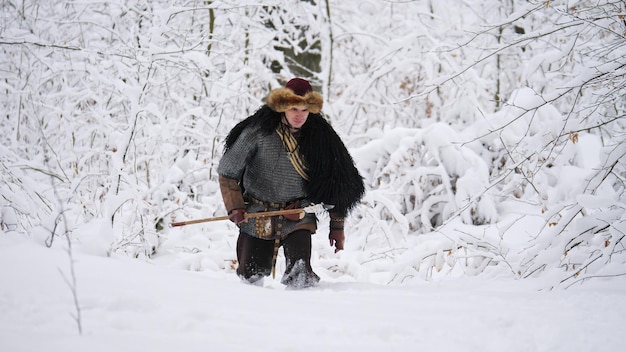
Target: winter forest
{"type": "Point", "coordinates": [490, 134]}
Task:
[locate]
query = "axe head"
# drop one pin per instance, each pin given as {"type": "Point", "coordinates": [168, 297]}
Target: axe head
{"type": "Point", "coordinates": [313, 208]}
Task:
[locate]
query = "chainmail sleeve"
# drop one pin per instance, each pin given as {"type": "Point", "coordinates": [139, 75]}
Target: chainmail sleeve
{"type": "Point", "coordinates": [234, 161]}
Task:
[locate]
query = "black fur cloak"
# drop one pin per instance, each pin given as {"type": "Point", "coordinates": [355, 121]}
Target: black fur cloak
{"type": "Point", "coordinates": [333, 177]}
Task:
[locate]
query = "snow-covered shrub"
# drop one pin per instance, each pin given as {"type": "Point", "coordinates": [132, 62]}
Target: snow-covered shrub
{"type": "Point", "coordinates": [584, 235]}
{"type": "Point", "coordinates": [420, 178]}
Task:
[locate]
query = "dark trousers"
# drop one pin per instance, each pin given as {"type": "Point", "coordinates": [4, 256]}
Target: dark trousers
{"type": "Point", "coordinates": [255, 258]}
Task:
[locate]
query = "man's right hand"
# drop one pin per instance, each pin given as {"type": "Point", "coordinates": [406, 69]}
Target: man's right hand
{"type": "Point", "coordinates": [237, 215]}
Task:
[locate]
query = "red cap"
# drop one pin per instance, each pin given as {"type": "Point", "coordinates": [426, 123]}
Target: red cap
{"type": "Point", "coordinates": [299, 86]}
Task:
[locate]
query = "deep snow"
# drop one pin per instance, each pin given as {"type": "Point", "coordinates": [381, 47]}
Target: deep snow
{"type": "Point", "coordinates": [132, 305]}
{"type": "Point", "coordinates": [400, 285]}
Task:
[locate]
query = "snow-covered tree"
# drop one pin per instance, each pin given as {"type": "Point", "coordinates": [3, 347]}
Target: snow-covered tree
{"type": "Point", "coordinates": [471, 121]}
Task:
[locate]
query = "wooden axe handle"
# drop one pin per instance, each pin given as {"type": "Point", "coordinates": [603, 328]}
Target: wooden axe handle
{"type": "Point", "coordinates": [246, 216]}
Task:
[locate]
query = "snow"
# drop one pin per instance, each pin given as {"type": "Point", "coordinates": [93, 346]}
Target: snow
{"type": "Point", "coordinates": [495, 212]}
{"type": "Point", "coordinates": [131, 305]}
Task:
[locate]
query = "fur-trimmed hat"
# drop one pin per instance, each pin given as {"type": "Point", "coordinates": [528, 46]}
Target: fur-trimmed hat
{"type": "Point", "coordinates": [297, 92]}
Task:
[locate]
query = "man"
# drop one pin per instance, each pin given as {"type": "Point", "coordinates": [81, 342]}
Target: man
{"type": "Point", "coordinates": [286, 156]}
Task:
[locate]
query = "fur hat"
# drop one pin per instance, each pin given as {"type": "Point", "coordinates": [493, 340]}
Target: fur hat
{"type": "Point", "coordinates": [297, 92]}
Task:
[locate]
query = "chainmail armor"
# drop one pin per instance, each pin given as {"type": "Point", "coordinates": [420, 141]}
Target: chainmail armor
{"type": "Point", "coordinates": [262, 166]}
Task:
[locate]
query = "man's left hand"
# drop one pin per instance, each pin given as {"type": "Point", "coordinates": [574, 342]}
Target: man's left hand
{"type": "Point", "coordinates": [337, 238]}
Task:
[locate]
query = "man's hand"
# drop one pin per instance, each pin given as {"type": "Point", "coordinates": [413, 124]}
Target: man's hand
{"type": "Point", "coordinates": [337, 238]}
{"type": "Point", "coordinates": [237, 215]}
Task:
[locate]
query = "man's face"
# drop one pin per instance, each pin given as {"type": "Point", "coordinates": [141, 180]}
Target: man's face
{"type": "Point", "coordinates": [297, 115]}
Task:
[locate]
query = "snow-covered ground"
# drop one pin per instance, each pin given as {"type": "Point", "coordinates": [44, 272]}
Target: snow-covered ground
{"type": "Point", "coordinates": [132, 305]}
{"type": "Point", "coordinates": [114, 114]}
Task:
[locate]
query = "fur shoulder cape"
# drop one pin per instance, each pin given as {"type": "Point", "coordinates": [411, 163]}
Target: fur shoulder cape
{"type": "Point", "coordinates": [334, 179]}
